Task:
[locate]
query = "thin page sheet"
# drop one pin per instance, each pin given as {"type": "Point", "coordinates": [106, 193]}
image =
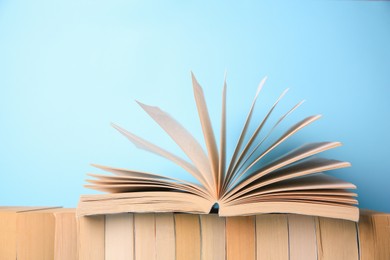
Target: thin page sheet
{"type": "Point", "coordinates": [222, 142]}
{"type": "Point", "coordinates": [300, 125]}
{"type": "Point", "coordinates": [298, 154]}
{"type": "Point", "coordinates": [183, 139]}
{"type": "Point", "coordinates": [145, 145]}
{"type": "Point", "coordinates": [318, 181]}
{"type": "Point", "coordinates": [242, 135]}
{"type": "Point", "coordinates": [249, 155]}
{"type": "Point", "coordinates": [244, 152]}
{"type": "Point", "coordinates": [126, 172]}
{"type": "Point", "coordinates": [207, 129]}
{"type": "Point", "coordinates": [304, 168]}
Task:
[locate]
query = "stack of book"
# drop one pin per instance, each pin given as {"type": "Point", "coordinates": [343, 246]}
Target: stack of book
{"type": "Point", "coordinates": [268, 236]}
{"type": "Point", "coordinates": [38, 233]}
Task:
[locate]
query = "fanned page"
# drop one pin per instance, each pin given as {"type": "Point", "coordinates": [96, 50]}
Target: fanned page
{"type": "Point", "coordinates": [143, 201]}
{"type": "Point", "coordinates": [246, 185]}
{"type": "Point", "coordinates": [229, 173]}
{"type": "Point", "coordinates": [318, 195]}
{"type": "Point", "coordinates": [184, 139]}
{"type": "Point", "coordinates": [222, 145]}
{"type": "Point", "coordinates": [239, 162]}
{"type": "Point", "coordinates": [145, 145]}
{"type": "Point", "coordinates": [207, 130]}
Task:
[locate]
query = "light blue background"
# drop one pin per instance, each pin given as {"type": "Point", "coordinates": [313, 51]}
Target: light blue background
{"type": "Point", "coordinates": [69, 68]}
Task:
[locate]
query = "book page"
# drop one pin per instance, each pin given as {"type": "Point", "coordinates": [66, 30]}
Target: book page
{"type": "Point", "coordinates": [329, 198]}
{"type": "Point", "coordinates": [298, 154]}
{"type": "Point", "coordinates": [145, 145]}
{"type": "Point", "coordinates": [300, 169]}
{"type": "Point", "coordinates": [242, 135]}
{"type": "Point", "coordinates": [240, 161]}
{"type": "Point", "coordinates": [144, 201]}
{"type": "Point", "coordinates": [119, 183]}
{"type": "Point", "coordinates": [316, 182]}
{"type": "Point", "coordinates": [222, 142]}
{"type": "Point", "coordinates": [145, 175]}
{"type": "Point", "coordinates": [312, 209]}
{"type": "Point", "coordinates": [300, 125]}
{"type": "Point", "coordinates": [183, 139]}
{"type": "Point", "coordinates": [207, 129]}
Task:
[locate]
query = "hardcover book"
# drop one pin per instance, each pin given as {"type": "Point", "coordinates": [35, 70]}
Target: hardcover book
{"type": "Point", "coordinates": [292, 183]}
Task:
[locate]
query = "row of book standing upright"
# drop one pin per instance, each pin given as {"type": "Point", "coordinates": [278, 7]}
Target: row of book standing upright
{"type": "Point", "coordinates": [45, 233]}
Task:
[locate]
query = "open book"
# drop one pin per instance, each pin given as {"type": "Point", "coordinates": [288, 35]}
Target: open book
{"type": "Point", "coordinates": [291, 183]}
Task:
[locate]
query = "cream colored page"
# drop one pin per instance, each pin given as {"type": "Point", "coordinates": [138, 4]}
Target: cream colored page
{"type": "Point", "coordinates": [247, 155]}
{"type": "Point", "coordinates": [145, 145]}
{"type": "Point", "coordinates": [298, 154]}
{"type": "Point", "coordinates": [142, 202]}
{"type": "Point", "coordinates": [294, 129]}
{"type": "Point", "coordinates": [312, 209]}
{"type": "Point", "coordinates": [243, 134]}
{"type": "Point", "coordinates": [316, 182]}
{"type": "Point", "coordinates": [310, 166]}
{"type": "Point", "coordinates": [183, 139]}
{"type": "Point", "coordinates": [207, 128]}
{"type": "Point", "coordinates": [222, 142]}
{"type": "Point", "coordinates": [147, 176]}
{"type": "Point", "coordinates": [119, 237]}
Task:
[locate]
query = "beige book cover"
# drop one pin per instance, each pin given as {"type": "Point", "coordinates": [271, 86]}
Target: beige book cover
{"type": "Point", "coordinates": [91, 237]}
{"type": "Point", "coordinates": [65, 237]}
{"type": "Point", "coordinates": [188, 243]}
{"type": "Point", "coordinates": [213, 233]}
{"type": "Point", "coordinates": [381, 226]}
{"type": "Point", "coordinates": [337, 239]}
{"type": "Point", "coordinates": [41, 233]}
{"type": "Point", "coordinates": [302, 237]}
{"type": "Point", "coordinates": [272, 237]}
{"type": "Point", "coordinates": [119, 237]}
{"type": "Point", "coordinates": [240, 238]}
{"type": "Point", "coordinates": [8, 230]}
{"type": "Point", "coordinates": [250, 182]}
{"type": "Point", "coordinates": [144, 236]}
{"type": "Point", "coordinates": [165, 236]}
{"type": "Point", "coordinates": [366, 235]}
